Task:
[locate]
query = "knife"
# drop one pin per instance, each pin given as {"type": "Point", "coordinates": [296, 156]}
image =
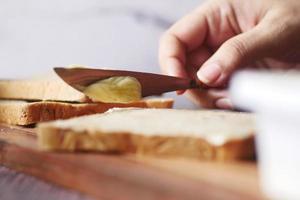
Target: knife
{"type": "Point", "coordinates": [152, 84]}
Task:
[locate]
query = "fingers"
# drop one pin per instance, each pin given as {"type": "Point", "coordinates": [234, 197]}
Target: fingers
{"type": "Point", "coordinates": [183, 37]}
{"type": "Point", "coordinates": [195, 59]}
{"type": "Point", "coordinates": [234, 53]}
{"type": "Point", "coordinates": [224, 103]}
{"type": "Point", "coordinates": [172, 56]}
{"type": "Point", "coordinates": [200, 98]}
{"type": "Point", "coordinates": [212, 98]}
{"type": "Point", "coordinates": [221, 99]}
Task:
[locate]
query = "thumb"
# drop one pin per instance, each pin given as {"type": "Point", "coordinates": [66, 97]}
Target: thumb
{"type": "Point", "coordinates": [234, 53]}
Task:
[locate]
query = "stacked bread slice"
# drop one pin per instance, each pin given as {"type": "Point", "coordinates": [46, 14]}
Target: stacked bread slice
{"type": "Point", "coordinates": [26, 102]}
{"type": "Point", "coordinates": [200, 134]}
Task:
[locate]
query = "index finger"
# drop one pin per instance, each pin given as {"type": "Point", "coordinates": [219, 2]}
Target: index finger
{"type": "Point", "coordinates": [184, 36]}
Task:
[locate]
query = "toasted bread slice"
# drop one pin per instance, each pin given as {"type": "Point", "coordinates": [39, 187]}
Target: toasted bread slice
{"type": "Point", "coordinates": [209, 135]}
{"type": "Point", "coordinates": [50, 88]}
{"type": "Point", "coordinates": [26, 113]}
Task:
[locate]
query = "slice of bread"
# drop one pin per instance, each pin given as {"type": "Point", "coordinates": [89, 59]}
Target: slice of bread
{"type": "Point", "coordinates": [26, 113]}
{"type": "Point", "coordinates": [49, 88]}
{"type": "Point", "coordinates": [210, 135]}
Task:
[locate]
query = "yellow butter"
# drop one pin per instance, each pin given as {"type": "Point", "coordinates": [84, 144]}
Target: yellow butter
{"type": "Point", "coordinates": [74, 66]}
{"type": "Point", "coordinates": [118, 89]}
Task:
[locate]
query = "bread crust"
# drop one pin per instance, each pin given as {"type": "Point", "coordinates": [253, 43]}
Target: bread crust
{"type": "Point", "coordinates": [26, 113]}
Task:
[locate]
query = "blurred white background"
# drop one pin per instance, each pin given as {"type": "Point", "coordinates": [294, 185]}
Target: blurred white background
{"type": "Point", "coordinates": [36, 35]}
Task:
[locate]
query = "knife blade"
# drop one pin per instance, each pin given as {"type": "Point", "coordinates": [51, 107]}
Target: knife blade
{"type": "Point", "coordinates": [152, 84]}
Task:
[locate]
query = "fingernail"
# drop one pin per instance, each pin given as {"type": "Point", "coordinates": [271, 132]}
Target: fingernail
{"type": "Point", "coordinates": [209, 73]}
{"type": "Point", "coordinates": [224, 104]}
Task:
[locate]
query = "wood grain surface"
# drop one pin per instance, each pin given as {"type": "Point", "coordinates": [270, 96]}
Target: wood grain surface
{"type": "Point", "coordinates": [128, 177]}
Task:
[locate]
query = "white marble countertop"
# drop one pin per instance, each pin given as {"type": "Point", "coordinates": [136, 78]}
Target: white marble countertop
{"type": "Point", "coordinates": [15, 185]}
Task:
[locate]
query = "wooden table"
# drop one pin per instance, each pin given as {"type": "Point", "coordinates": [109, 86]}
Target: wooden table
{"type": "Point", "coordinates": [126, 176]}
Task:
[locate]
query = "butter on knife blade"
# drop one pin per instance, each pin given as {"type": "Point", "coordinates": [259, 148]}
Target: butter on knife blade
{"type": "Point", "coordinates": [117, 89]}
{"type": "Point", "coordinates": [148, 84]}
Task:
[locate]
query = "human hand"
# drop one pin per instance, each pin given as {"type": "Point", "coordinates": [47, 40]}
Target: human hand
{"type": "Point", "coordinates": [222, 36]}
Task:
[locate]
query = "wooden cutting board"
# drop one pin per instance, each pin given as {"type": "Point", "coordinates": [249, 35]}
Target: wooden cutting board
{"type": "Point", "coordinates": [126, 176]}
